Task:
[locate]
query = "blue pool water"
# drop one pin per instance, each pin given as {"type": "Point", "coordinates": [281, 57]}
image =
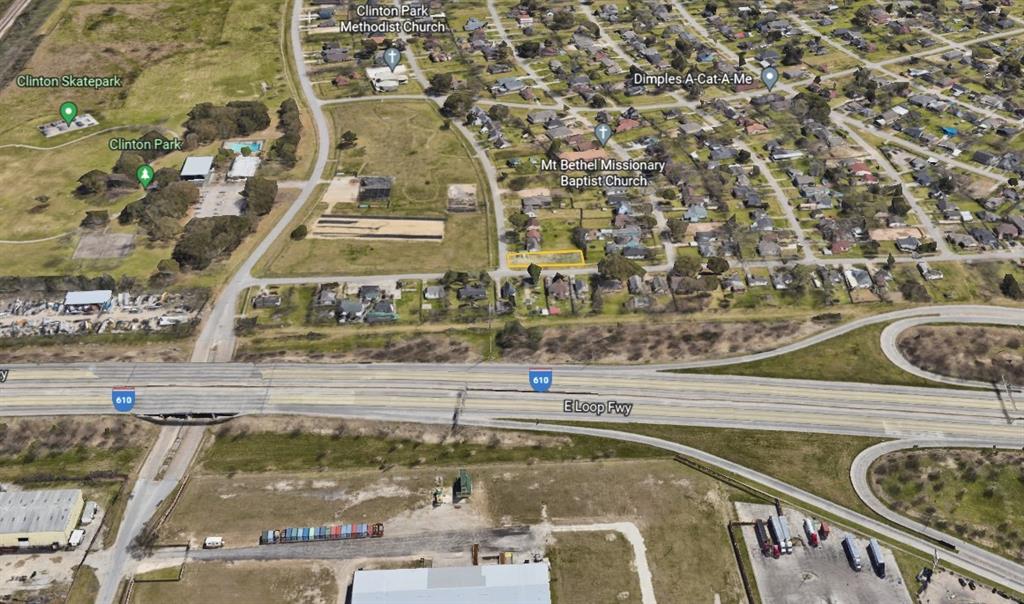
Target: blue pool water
{"type": "Point", "coordinates": [236, 146]}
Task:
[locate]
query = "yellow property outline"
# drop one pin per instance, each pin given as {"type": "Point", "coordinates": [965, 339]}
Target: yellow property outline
{"type": "Point", "coordinates": [509, 256]}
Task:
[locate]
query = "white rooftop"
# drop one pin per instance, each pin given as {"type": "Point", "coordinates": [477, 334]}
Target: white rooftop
{"type": "Point", "coordinates": [94, 296]}
{"type": "Point", "coordinates": [493, 584]}
{"type": "Point", "coordinates": [199, 165]}
{"type": "Point", "coordinates": [244, 167]}
{"type": "Point", "coordinates": [42, 511]}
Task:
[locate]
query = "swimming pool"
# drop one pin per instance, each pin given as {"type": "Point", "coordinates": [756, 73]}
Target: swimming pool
{"type": "Point", "coordinates": [236, 146]}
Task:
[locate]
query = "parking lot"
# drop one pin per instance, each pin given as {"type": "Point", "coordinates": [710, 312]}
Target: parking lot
{"type": "Point", "coordinates": [817, 574]}
{"type": "Point", "coordinates": [219, 197]}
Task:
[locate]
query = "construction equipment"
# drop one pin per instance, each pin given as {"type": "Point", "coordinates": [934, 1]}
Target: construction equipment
{"type": "Point", "coordinates": [463, 486]}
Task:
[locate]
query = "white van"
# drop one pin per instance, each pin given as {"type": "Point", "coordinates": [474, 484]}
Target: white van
{"type": "Point", "coordinates": [213, 542]}
{"type": "Point", "coordinates": [76, 538]}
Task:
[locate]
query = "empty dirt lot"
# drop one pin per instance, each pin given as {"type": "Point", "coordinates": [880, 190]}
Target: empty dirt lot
{"type": "Point", "coordinates": [331, 226]}
{"type": "Point", "coordinates": [985, 353]}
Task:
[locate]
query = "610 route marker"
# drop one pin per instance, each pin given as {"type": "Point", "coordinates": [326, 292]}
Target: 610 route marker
{"type": "Point", "coordinates": [123, 398]}
{"type": "Point", "coordinates": [540, 379]}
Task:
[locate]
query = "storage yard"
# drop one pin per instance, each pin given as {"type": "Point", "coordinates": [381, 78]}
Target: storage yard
{"type": "Point", "coordinates": [803, 563]}
{"type": "Point", "coordinates": [100, 311]}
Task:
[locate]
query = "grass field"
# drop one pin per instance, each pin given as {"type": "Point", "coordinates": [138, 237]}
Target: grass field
{"type": "Point", "coordinates": [170, 57]}
{"type": "Point", "coordinates": [428, 160]}
{"type": "Point", "coordinates": [340, 446]}
{"type": "Point", "coordinates": [250, 582]}
{"type": "Point", "coordinates": [818, 463]}
{"type": "Point", "coordinates": [593, 567]}
{"type": "Point", "coordinates": [973, 494]}
{"type": "Point", "coordinates": [85, 587]}
{"type": "Point", "coordinates": [854, 357]}
{"type": "Point", "coordinates": [66, 448]}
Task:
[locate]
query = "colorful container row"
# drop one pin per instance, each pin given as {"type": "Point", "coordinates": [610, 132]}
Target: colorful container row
{"type": "Point", "coordinates": [334, 532]}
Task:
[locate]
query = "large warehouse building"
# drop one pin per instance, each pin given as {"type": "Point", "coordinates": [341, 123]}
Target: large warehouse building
{"type": "Point", "coordinates": [35, 519]}
{"type": "Point", "coordinates": [494, 584]}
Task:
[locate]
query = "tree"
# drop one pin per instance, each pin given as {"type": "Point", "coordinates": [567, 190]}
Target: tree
{"type": "Point", "coordinates": [579, 239]}
{"type": "Point", "coordinates": [95, 219]}
{"type": "Point", "coordinates": [899, 206]}
{"type": "Point", "coordinates": [259, 194]}
{"type": "Point", "coordinates": [890, 262]}
{"type": "Point", "coordinates": [440, 83]}
{"type": "Point", "coordinates": [128, 163]}
{"type": "Point", "coordinates": [534, 271]}
{"type": "Point", "coordinates": [617, 266]}
{"type": "Point", "coordinates": [299, 233]}
{"type": "Point", "coordinates": [718, 265]}
{"type": "Point", "coordinates": [677, 229]}
{"type": "Point", "coordinates": [92, 182]}
{"type": "Point", "coordinates": [168, 266]}
{"type": "Point", "coordinates": [528, 49]}
{"type": "Point", "coordinates": [564, 19]}
{"type": "Point", "coordinates": [1010, 288]}
{"type": "Point", "coordinates": [348, 140]}
{"type": "Point", "coordinates": [457, 104]}
{"type": "Point", "coordinates": [498, 113]}
{"type": "Point", "coordinates": [686, 265]}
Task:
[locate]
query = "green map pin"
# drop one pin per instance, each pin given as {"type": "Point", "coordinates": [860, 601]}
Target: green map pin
{"type": "Point", "coordinates": [144, 175]}
{"type": "Point", "coordinates": [68, 112]}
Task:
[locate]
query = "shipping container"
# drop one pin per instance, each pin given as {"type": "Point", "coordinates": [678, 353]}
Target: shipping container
{"type": "Point", "coordinates": [852, 556]}
{"type": "Point", "coordinates": [875, 556]}
{"type": "Point", "coordinates": [775, 531]}
{"type": "Point", "coordinates": [788, 543]}
{"type": "Point", "coordinates": [763, 541]}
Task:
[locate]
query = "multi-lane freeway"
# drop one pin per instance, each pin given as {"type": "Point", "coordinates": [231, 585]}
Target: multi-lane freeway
{"type": "Point", "coordinates": [490, 390]}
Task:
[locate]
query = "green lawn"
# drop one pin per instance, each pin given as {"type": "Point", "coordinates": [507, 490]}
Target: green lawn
{"type": "Point", "coordinates": [974, 494]}
{"type": "Point", "coordinates": [428, 159]}
{"type": "Point", "coordinates": [853, 357]}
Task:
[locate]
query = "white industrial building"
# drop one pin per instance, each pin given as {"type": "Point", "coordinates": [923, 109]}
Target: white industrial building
{"type": "Point", "coordinates": [493, 584]}
{"type": "Point", "coordinates": [37, 519]}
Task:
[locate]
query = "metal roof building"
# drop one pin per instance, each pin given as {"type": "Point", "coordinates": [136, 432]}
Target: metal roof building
{"type": "Point", "coordinates": [30, 519]}
{"type": "Point", "coordinates": [197, 167]}
{"type": "Point", "coordinates": [494, 584]}
{"type": "Point", "coordinates": [243, 167]}
{"type": "Point", "coordinates": [93, 297]}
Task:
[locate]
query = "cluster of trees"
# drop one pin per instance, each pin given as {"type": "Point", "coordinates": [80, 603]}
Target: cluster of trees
{"type": "Point", "coordinates": [617, 266]}
{"type": "Point", "coordinates": [515, 335]}
{"type": "Point", "coordinates": [97, 182]}
{"type": "Point", "coordinates": [205, 239]}
{"type": "Point", "coordinates": [160, 211]}
{"type": "Point", "coordinates": [209, 122]}
{"type": "Point", "coordinates": [1011, 288]}
{"type": "Point", "coordinates": [458, 103]}
{"type": "Point", "coordinates": [289, 123]}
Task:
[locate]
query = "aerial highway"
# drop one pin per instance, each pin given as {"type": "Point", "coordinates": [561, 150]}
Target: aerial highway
{"type": "Point", "coordinates": [496, 390]}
